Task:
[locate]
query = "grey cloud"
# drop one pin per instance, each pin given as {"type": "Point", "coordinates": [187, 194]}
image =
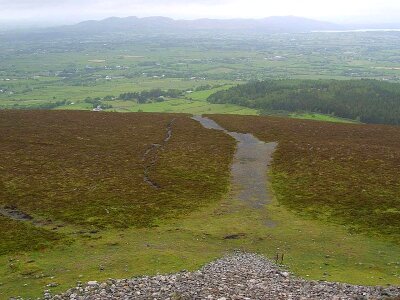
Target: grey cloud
{"type": "Point", "coordinates": [29, 4]}
{"type": "Point", "coordinates": [77, 10]}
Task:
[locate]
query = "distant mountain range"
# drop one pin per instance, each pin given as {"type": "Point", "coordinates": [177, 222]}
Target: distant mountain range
{"type": "Point", "coordinates": [269, 25]}
{"type": "Point", "coordinates": [162, 25]}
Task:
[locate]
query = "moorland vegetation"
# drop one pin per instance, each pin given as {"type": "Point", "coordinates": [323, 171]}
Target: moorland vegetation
{"type": "Point", "coordinates": [86, 169]}
{"type": "Point", "coordinates": [340, 173]}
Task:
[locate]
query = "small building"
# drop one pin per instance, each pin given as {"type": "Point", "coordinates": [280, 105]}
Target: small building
{"type": "Point", "coordinates": [98, 108]}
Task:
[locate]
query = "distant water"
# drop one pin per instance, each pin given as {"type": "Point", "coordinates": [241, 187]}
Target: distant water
{"type": "Point", "coordinates": [358, 30]}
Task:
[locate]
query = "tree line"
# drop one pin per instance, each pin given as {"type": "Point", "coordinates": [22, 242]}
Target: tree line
{"type": "Point", "coordinates": [366, 100]}
{"type": "Point", "coordinates": [151, 95]}
{"type": "Point", "coordinates": [157, 95]}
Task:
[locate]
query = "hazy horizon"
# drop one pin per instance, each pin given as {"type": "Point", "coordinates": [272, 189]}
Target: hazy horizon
{"type": "Point", "coordinates": [48, 12]}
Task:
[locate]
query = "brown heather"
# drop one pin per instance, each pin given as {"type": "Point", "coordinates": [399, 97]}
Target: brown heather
{"type": "Point", "coordinates": [344, 173]}
{"type": "Point", "coordinates": [86, 169]}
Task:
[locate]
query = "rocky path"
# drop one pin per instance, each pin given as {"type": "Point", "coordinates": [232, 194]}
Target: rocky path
{"type": "Point", "coordinates": [237, 276]}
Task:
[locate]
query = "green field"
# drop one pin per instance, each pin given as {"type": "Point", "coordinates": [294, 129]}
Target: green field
{"type": "Point", "coordinates": [34, 72]}
{"type": "Point", "coordinates": [320, 117]}
{"type": "Point", "coordinates": [193, 103]}
{"type": "Point", "coordinates": [196, 103]}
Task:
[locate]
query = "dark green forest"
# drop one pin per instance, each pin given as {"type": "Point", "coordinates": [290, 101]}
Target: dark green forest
{"type": "Point", "coordinates": [369, 101]}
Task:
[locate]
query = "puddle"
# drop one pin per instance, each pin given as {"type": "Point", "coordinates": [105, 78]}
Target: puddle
{"type": "Point", "coordinates": [14, 213]}
{"type": "Point", "coordinates": [250, 166]}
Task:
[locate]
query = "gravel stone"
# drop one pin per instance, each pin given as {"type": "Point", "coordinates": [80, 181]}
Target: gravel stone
{"type": "Point", "coordinates": [238, 276]}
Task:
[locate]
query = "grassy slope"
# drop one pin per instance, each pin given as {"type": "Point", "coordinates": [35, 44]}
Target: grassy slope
{"type": "Point", "coordinates": [343, 173]}
{"type": "Point", "coordinates": [83, 171]}
{"type": "Point", "coordinates": [86, 169]}
{"type": "Point", "coordinates": [312, 249]}
{"type": "Point", "coordinates": [24, 236]}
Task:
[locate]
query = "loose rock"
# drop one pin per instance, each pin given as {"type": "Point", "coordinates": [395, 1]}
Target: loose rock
{"type": "Point", "coordinates": [237, 276]}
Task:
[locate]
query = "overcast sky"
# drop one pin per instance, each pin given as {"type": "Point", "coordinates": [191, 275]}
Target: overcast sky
{"type": "Point", "coordinates": [67, 11]}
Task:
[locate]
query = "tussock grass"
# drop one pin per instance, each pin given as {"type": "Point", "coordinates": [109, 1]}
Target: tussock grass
{"type": "Point", "coordinates": [23, 236]}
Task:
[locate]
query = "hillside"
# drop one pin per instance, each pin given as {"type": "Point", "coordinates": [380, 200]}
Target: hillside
{"type": "Point", "coordinates": [121, 195]}
{"type": "Point", "coordinates": [99, 171]}
{"type": "Point", "coordinates": [270, 24]}
{"type": "Point", "coordinates": [158, 24]}
{"type": "Point", "coordinates": [164, 25]}
{"type": "Point", "coordinates": [368, 101]}
{"type": "Point", "coordinates": [341, 173]}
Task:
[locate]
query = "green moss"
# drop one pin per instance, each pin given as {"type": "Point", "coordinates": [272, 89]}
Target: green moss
{"type": "Point", "coordinates": [19, 236]}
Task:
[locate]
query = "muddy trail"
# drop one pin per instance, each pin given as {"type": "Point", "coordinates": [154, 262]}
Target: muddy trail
{"type": "Point", "coordinates": [150, 157]}
{"type": "Point", "coordinates": [250, 166]}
